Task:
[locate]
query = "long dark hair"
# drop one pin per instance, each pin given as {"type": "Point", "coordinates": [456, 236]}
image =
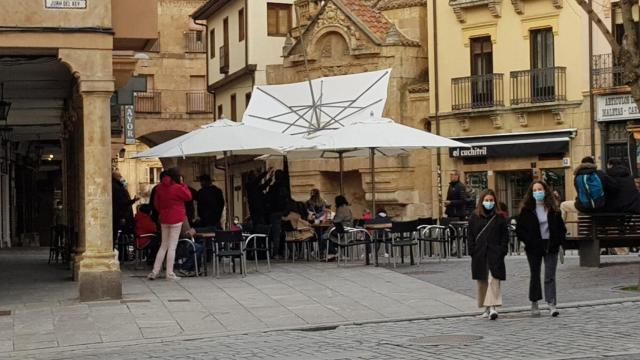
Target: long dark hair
{"type": "Point", "coordinates": [529, 203]}
{"type": "Point", "coordinates": [479, 210]}
{"type": "Point", "coordinates": [341, 200]}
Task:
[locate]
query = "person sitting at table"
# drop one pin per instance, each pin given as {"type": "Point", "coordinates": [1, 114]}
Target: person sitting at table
{"type": "Point", "coordinates": [343, 214]}
{"type": "Point", "coordinates": [366, 215]}
{"type": "Point", "coordinates": [381, 214]}
{"type": "Point", "coordinates": [316, 206]}
{"type": "Point", "coordinates": [144, 225]}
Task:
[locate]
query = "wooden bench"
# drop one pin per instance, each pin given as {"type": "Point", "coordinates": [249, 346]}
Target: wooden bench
{"type": "Point", "coordinates": [606, 230]}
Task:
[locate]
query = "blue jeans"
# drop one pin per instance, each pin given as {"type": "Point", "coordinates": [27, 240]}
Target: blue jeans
{"type": "Point", "coordinates": [188, 264]}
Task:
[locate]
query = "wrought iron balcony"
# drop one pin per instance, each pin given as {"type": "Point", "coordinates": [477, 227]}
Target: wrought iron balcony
{"type": "Point", "coordinates": [199, 102]}
{"type": "Point", "coordinates": [477, 92]}
{"type": "Point", "coordinates": [224, 59]}
{"type": "Point", "coordinates": [195, 42]}
{"type": "Point", "coordinates": [606, 72]}
{"type": "Point", "coordinates": [148, 102]}
{"type": "Point", "coordinates": [538, 86]}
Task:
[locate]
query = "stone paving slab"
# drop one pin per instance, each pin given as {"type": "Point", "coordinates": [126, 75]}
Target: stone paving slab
{"type": "Point", "coordinates": [585, 333]}
{"type": "Point", "coordinates": [291, 295]}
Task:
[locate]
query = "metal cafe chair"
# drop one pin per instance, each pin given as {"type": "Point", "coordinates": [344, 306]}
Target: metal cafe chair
{"type": "Point", "coordinates": [229, 244]}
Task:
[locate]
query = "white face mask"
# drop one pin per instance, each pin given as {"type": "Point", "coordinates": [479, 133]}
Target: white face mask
{"type": "Point", "coordinates": [124, 183]}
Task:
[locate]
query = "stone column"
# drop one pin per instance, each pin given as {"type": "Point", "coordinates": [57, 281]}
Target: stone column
{"type": "Point", "coordinates": [97, 269]}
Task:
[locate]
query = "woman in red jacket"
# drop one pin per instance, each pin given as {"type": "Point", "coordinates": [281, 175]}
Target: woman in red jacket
{"type": "Point", "coordinates": [170, 197]}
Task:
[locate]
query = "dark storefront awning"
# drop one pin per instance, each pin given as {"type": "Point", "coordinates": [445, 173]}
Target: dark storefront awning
{"type": "Point", "coordinates": [515, 144]}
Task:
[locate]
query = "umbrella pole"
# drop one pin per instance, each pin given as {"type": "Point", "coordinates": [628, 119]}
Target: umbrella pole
{"type": "Point", "coordinates": [341, 158]}
{"type": "Point", "coordinates": [226, 190]}
{"type": "Point", "coordinates": [372, 166]}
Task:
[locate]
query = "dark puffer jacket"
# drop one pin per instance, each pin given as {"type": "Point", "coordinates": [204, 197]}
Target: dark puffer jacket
{"type": "Point", "coordinates": [489, 249]}
{"type": "Point", "coordinates": [608, 184]}
{"type": "Point", "coordinates": [627, 198]}
{"type": "Point", "coordinates": [456, 196]}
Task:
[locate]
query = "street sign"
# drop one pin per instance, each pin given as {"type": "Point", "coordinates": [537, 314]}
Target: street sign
{"type": "Point", "coordinates": [65, 4]}
{"type": "Point", "coordinates": [129, 125]}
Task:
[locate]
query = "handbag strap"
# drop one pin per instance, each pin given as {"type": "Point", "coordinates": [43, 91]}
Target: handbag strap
{"type": "Point", "coordinates": [485, 227]}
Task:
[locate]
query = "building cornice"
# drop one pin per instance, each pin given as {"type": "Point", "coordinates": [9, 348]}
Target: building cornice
{"type": "Point", "coordinates": [247, 70]}
{"type": "Point", "coordinates": [209, 8]}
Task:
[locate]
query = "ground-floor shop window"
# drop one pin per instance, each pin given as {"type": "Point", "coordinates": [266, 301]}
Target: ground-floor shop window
{"type": "Point", "coordinates": [511, 186]}
{"type": "Point", "coordinates": [555, 179]}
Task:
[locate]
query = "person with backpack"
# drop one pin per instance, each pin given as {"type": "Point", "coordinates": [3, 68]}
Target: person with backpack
{"type": "Point", "coordinates": [541, 228]}
{"type": "Point", "coordinates": [593, 187]}
{"type": "Point", "coordinates": [488, 245]}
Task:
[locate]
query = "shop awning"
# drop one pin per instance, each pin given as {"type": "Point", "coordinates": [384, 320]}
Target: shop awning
{"type": "Point", "coordinates": [515, 144]}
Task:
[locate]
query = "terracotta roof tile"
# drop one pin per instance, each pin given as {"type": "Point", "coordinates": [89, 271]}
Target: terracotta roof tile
{"type": "Point", "coordinates": [399, 4]}
{"type": "Point", "coordinates": [371, 18]}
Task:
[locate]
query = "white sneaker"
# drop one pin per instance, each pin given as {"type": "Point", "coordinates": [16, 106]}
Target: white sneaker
{"type": "Point", "coordinates": [172, 276]}
{"type": "Point", "coordinates": [485, 314]}
{"type": "Point", "coordinates": [553, 311]}
{"type": "Point", "coordinates": [152, 276]}
{"type": "Point", "coordinates": [386, 254]}
{"type": "Point", "coordinates": [493, 313]}
{"type": "Point", "coordinates": [535, 311]}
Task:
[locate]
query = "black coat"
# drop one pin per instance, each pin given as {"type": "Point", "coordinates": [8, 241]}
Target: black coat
{"type": "Point", "coordinates": [608, 184]}
{"type": "Point", "coordinates": [489, 249]}
{"type": "Point", "coordinates": [210, 201]}
{"type": "Point", "coordinates": [456, 195]}
{"type": "Point", "coordinates": [121, 203]}
{"type": "Point", "coordinates": [528, 231]}
{"type": "Point", "coordinates": [627, 198]}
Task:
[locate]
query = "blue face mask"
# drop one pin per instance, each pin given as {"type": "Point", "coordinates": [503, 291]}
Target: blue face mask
{"type": "Point", "coordinates": [538, 195]}
{"type": "Point", "coordinates": [489, 205]}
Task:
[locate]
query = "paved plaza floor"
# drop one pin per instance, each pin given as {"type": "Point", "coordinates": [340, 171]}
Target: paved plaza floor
{"type": "Point", "coordinates": [352, 312]}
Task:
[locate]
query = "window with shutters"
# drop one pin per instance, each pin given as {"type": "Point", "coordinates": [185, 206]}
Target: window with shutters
{"type": "Point", "coordinates": [278, 19]}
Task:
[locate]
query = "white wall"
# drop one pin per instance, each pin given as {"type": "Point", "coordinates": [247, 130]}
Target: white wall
{"type": "Point", "coordinates": [237, 58]}
{"type": "Point", "coordinates": [264, 50]}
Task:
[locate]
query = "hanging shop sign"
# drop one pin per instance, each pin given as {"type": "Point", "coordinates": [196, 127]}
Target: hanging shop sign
{"type": "Point", "coordinates": [65, 4]}
{"type": "Point", "coordinates": [616, 108]}
{"type": "Point", "coordinates": [129, 125]}
{"type": "Point", "coordinates": [514, 144]}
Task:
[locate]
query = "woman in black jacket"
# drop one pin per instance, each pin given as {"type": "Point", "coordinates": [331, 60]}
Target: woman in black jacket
{"type": "Point", "coordinates": [488, 245]}
{"type": "Point", "coordinates": [541, 228]}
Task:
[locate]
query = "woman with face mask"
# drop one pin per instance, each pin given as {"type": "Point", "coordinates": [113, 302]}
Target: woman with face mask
{"type": "Point", "coordinates": [541, 229]}
{"type": "Point", "coordinates": [488, 245]}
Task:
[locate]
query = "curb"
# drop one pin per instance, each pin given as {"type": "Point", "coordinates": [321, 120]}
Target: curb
{"type": "Point", "coordinates": [311, 328]}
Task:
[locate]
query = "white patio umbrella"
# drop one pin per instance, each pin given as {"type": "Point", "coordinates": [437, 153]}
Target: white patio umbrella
{"type": "Point", "coordinates": [319, 104]}
{"type": "Point", "coordinates": [226, 138]}
{"type": "Point", "coordinates": [371, 136]}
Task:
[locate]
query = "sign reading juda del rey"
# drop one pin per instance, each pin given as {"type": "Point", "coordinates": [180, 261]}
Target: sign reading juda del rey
{"type": "Point", "coordinates": [65, 4]}
{"type": "Point", "coordinates": [617, 107]}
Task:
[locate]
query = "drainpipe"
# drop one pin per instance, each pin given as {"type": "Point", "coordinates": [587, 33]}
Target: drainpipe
{"type": "Point", "coordinates": [592, 119]}
{"type": "Point", "coordinates": [437, 101]}
{"type": "Point", "coordinates": [246, 34]}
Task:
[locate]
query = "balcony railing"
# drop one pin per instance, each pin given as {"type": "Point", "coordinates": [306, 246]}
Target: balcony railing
{"type": "Point", "coordinates": [195, 42]}
{"type": "Point", "coordinates": [199, 102]}
{"type": "Point", "coordinates": [148, 102]}
{"type": "Point", "coordinates": [606, 72]}
{"type": "Point", "coordinates": [224, 59]}
{"type": "Point", "coordinates": [538, 85]}
{"type": "Point", "coordinates": [477, 92]}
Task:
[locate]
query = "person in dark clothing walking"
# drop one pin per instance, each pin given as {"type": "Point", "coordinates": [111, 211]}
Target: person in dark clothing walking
{"type": "Point", "coordinates": [456, 194]}
{"type": "Point", "coordinates": [210, 203]}
{"type": "Point", "coordinates": [541, 228]}
{"type": "Point", "coordinates": [488, 245]}
{"type": "Point", "coordinates": [627, 198]}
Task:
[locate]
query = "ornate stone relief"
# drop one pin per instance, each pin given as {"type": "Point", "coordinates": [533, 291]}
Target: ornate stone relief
{"type": "Point", "coordinates": [494, 7]}
{"type": "Point", "coordinates": [557, 4]}
{"type": "Point", "coordinates": [522, 119]}
{"type": "Point", "coordinates": [458, 7]}
{"type": "Point", "coordinates": [518, 6]}
{"type": "Point", "coordinates": [464, 123]}
{"type": "Point", "coordinates": [558, 117]}
{"type": "Point", "coordinates": [496, 120]}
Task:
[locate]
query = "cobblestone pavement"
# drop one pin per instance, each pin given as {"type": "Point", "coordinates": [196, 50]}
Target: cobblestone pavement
{"type": "Point", "coordinates": [596, 332]}
{"type": "Point", "coordinates": [575, 283]}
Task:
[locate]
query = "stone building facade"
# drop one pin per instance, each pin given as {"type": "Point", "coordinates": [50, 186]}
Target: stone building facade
{"type": "Point", "coordinates": [344, 37]}
{"type": "Point", "coordinates": [176, 100]}
{"type": "Point", "coordinates": [60, 63]}
{"type": "Point", "coordinates": [511, 79]}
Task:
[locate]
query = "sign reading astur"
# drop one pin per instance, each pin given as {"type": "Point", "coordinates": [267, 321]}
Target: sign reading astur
{"type": "Point", "coordinates": [65, 4]}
